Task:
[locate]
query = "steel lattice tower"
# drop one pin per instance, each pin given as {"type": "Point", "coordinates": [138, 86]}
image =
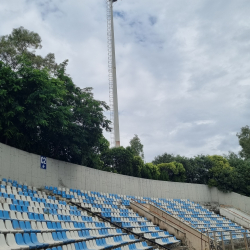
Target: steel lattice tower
{"type": "Point", "coordinates": [113, 98]}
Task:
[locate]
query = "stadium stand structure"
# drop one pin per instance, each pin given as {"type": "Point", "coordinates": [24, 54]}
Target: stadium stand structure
{"type": "Point", "coordinates": [56, 217]}
{"type": "Point", "coordinates": [114, 207]}
{"type": "Point", "coordinates": [32, 219]}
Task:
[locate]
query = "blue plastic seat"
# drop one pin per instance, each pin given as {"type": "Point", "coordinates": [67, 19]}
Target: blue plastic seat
{"type": "Point", "coordinates": [41, 217]}
{"type": "Point", "coordinates": [19, 208]}
{"type": "Point", "coordinates": [64, 237]}
{"type": "Point", "coordinates": [1, 215]}
{"type": "Point", "coordinates": [25, 209]}
{"type": "Point", "coordinates": [31, 216]}
{"type": "Point", "coordinates": [36, 242]}
{"type": "Point", "coordinates": [6, 215]}
{"type": "Point", "coordinates": [54, 236]}
{"type": "Point", "coordinates": [27, 240]}
{"type": "Point", "coordinates": [16, 225]}
{"type": "Point", "coordinates": [59, 227]}
{"type": "Point", "coordinates": [19, 239]}
{"type": "Point", "coordinates": [23, 227]}
{"type": "Point", "coordinates": [49, 225]}
{"type": "Point", "coordinates": [21, 203]}
{"type": "Point", "coordinates": [28, 227]}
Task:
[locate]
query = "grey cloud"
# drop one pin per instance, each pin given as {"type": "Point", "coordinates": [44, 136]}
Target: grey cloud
{"type": "Point", "coordinates": [182, 67]}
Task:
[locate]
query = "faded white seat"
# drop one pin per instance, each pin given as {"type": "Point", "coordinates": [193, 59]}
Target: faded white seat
{"type": "Point", "coordinates": [3, 229]}
{"type": "Point", "coordinates": [13, 215]}
{"type": "Point", "coordinates": [3, 244]}
{"type": "Point", "coordinates": [10, 228]}
{"type": "Point", "coordinates": [10, 239]}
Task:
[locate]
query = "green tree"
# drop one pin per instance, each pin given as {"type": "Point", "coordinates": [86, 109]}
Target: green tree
{"type": "Point", "coordinates": [221, 174]}
{"type": "Point", "coordinates": [118, 159]}
{"type": "Point", "coordinates": [150, 171]}
{"type": "Point", "coordinates": [201, 166]}
{"type": "Point", "coordinates": [24, 42]}
{"type": "Point", "coordinates": [172, 171]}
{"type": "Point", "coordinates": [137, 166]}
{"type": "Point", "coordinates": [30, 100]}
{"type": "Point", "coordinates": [136, 146]}
{"type": "Point", "coordinates": [146, 171]}
{"type": "Point", "coordinates": [244, 141]}
{"type": "Point", "coordinates": [164, 158]}
{"type": "Point", "coordinates": [42, 111]}
{"type": "Point", "coordinates": [241, 173]}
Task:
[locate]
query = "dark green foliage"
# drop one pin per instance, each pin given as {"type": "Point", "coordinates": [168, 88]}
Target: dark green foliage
{"type": "Point", "coordinates": [24, 42]}
{"type": "Point", "coordinates": [42, 111]}
{"type": "Point", "coordinates": [136, 146]}
{"type": "Point", "coordinates": [244, 141]}
{"type": "Point", "coordinates": [172, 171]}
{"type": "Point", "coordinates": [50, 116]}
{"type": "Point", "coordinates": [118, 159]}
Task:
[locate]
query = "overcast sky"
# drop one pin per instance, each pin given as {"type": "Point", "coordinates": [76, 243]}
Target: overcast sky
{"type": "Point", "coordinates": [183, 67]}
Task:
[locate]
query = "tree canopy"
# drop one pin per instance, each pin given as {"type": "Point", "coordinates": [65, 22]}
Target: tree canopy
{"type": "Point", "coordinates": [244, 141]}
{"type": "Point", "coordinates": [136, 146]}
{"type": "Point", "coordinates": [42, 110]}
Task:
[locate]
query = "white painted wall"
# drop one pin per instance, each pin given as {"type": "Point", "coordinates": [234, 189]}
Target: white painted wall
{"type": "Point", "coordinates": [25, 167]}
{"type": "Point", "coordinates": [237, 216]}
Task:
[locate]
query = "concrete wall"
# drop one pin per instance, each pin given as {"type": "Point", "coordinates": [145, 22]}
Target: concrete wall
{"type": "Point", "coordinates": [236, 215]}
{"type": "Point", "coordinates": [25, 167]}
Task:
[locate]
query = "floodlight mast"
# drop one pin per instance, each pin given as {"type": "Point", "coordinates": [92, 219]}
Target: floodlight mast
{"type": "Point", "coordinates": [113, 98]}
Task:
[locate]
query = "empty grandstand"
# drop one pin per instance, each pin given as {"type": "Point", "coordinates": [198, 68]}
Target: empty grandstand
{"type": "Point", "coordinates": [56, 214]}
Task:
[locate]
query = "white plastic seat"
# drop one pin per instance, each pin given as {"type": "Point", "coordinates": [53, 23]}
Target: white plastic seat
{"type": "Point", "coordinates": [3, 244]}
{"type": "Point", "coordinates": [39, 226]}
{"type": "Point", "coordinates": [46, 217]}
{"type": "Point", "coordinates": [40, 238]}
{"type": "Point", "coordinates": [23, 198]}
{"type": "Point", "coordinates": [14, 191]}
{"type": "Point", "coordinates": [71, 225]}
{"type": "Point", "coordinates": [10, 228]}
{"type": "Point", "coordinates": [55, 218]}
{"type": "Point", "coordinates": [34, 225]}
{"type": "Point", "coordinates": [13, 215]}
{"type": "Point", "coordinates": [37, 205]}
{"type": "Point", "coordinates": [19, 216]}
{"type": "Point", "coordinates": [28, 198]}
{"type": "Point", "coordinates": [76, 236]}
{"type": "Point", "coordinates": [9, 191]}
{"type": "Point", "coordinates": [47, 239]}
{"type": "Point", "coordinates": [40, 211]}
{"type": "Point", "coordinates": [36, 210]}
{"type": "Point", "coordinates": [44, 226]}
{"type": "Point", "coordinates": [10, 239]}
{"type": "Point", "coordinates": [51, 238]}
{"type": "Point", "coordinates": [64, 225]}
{"type": "Point", "coordinates": [66, 247]}
{"type": "Point", "coordinates": [41, 205]}
{"type": "Point", "coordinates": [51, 218]}
{"type": "Point", "coordinates": [31, 203]}
{"type": "Point", "coordinates": [9, 200]}
{"type": "Point", "coordinates": [3, 229]}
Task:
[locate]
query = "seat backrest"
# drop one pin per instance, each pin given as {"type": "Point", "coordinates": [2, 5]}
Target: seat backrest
{"type": "Point", "coordinates": [16, 225]}
{"type": "Point", "coordinates": [19, 239]}
{"type": "Point", "coordinates": [27, 239]}
{"type": "Point", "coordinates": [40, 238]}
{"type": "Point", "coordinates": [2, 225]}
